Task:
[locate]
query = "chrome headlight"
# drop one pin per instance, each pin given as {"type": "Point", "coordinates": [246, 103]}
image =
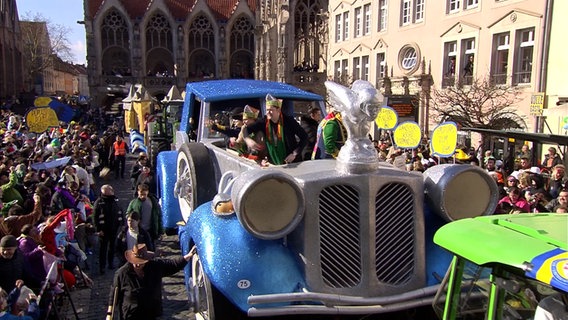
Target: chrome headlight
{"type": "Point", "coordinates": [458, 191]}
{"type": "Point", "coordinates": [269, 203]}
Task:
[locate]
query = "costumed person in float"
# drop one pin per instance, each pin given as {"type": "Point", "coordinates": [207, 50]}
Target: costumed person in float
{"type": "Point", "coordinates": [331, 136]}
{"type": "Point", "coordinates": [284, 137]}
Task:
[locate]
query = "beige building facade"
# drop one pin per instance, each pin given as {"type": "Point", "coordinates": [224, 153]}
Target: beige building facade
{"type": "Point", "coordinates": [450, 40]}
{"type": "Point", "coordinates": [556, 98]}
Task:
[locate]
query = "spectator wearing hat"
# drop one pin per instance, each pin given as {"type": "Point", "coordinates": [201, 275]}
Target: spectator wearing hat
{"type": "Point", "coordinates": [11, 263]}
{"type": "Point", "coordinates": [512, 182]}
{"type": "Point", "coordinates": [285, 139]}
{"type": "Point", "coordinates": [250, 116]}
{"type": "Point", "coordinates": [138, 284]}
{"type": "Point", "coordinates": [62, 198]}
{"type": "Point", "coordinates": [8, 181]}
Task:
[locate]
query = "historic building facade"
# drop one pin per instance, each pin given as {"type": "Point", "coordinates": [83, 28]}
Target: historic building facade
{"type": "Point", "coordinates": [410, 45]}
{"type": "Point", "coordinates": [160, 43]}
{"type": "Point", "coordinates": [11, 62]}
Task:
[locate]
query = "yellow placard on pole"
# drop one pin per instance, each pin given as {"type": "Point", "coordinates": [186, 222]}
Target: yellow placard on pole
{"type": "Point", "coordinates": [444, 139]}
{"type": "Point", "coordinates": [407, 135]}
{"type": "Point", "coordinates": [386, 119]}
{"type": "Point", "coordinates": [537, 104]}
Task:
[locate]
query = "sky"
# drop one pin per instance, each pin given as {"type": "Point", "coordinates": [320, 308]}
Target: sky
{"type": "Point", "coordinates": [63, 12]}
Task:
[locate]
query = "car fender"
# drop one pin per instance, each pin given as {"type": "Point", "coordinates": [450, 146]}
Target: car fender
{"type": "Point", "coordinates": [238, 264]}
{"type": "Point", "coordinates": [166, 179]}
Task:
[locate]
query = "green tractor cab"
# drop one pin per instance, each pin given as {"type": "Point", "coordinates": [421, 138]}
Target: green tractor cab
{"type": "Point", "coordinates": [504, 266]}
{"type": "Point", "coordinates": [165, 122]}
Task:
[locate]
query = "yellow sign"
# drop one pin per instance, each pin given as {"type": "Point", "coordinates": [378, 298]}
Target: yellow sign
{"type": "Point", "coordinates": [537, 104]}
{"type": "Point", "coordinates": [387, 118]}
{"type": "Point", "coordinates": [41, 119]}
{"type": "Point", "coordinates": [444, 139]}
{"type": "Point", "coordinates": [407, 135]}
{"type": "Point", "coordinates": [42, 101]}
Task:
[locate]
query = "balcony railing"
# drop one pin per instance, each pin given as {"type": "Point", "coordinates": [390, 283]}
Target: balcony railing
{"type": "Point", "coordinates": [448, 81]}
{"type": "Point", "coordinates": [308, 77]}
{"type": "Point", "coordinates": [522, 77]}
{"type": "Point", "coordinates": [499, 78]}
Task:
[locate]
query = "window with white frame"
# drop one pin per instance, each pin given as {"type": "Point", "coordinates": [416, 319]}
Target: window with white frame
{"type": "Point", "coordinates": [356, 68]}
{"type": "Point", "coordinates": [470, 4]}
{"type": "Point", "coordinates": [453, 5]}
{"type": "Point", "coordinates": [358, 22]}
{"type": "Point", "coordinates": [365, 71]}
{"type": "Point", "coordinates": [345, 70]}
{"type": "Point", "coordinates": [341, 71]}
{"type": "Point", "coordinates": [467, 60]}
{"type": "Point", "coordinates": [450, 62]}
{"type": "Point", "coordinates": [406, 12]}
{"type": "Point", "coordinates": [418, 10]}
{"type": "Point", "coordinates": [367, 14]}
{"type": "Point", "coordinates": [346, 25]}
{"type": "Point", "coordinates": [524, 56]}
{"type": "Point", "coordinates": [500, 58]}
{"type": "Point", "coordinates": [383, 15]}
{"type": "Point", "coordinates": [338, 27]}
{"type": "Point", "coordinates": [381, 66]}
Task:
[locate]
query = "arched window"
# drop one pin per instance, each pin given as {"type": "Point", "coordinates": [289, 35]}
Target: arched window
{"type": "Point", "coordinates": [201, 48]}
{"type": "Point", "coordinates": [159, 47]}
{"type": "Point", "coordinates": [115, 44]}
{"type": "Point", "coordinates": [308, 28]}
{"type": "Point", "coordinates": [242, 49]}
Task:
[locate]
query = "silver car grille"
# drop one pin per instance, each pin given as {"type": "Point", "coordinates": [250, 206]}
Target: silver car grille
{"type": "Point", "coordinates": [342, 242]}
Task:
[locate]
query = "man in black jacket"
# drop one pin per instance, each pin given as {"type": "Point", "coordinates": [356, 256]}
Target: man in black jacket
{"type": "Point", "coordinates": [108, 218]}
{"type": "Point", "coordinates": [285, 139]}
{"type": "Point", "coordinates": [136, 292]}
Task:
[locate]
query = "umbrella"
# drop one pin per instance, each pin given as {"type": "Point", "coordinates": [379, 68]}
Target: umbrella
{"type": "Point", "coordinates": [51, 164]}
{"type": "Point", "coordinates": [64, 111]}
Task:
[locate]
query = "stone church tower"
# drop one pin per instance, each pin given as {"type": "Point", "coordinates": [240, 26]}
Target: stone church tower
{"type": "Point", "coordinates": [291, 42]}
{"type": "Point", "coordinates": [160, 43]}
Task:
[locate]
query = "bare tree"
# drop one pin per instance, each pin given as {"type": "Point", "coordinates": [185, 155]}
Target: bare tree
{"type": "Point", "coordinates": [483, 104]}
{"type": "Point", "coordinates": [42, 41]}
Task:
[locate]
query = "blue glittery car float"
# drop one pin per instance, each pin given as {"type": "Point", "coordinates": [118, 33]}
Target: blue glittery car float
{"type": "Point", "coordinates": [312, 237]}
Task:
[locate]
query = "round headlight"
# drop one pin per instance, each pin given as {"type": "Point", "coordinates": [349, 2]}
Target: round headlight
{"type": "Point", "coordinates": [458, 191]}
{"type": "Point", "coordinates": [269, 203]}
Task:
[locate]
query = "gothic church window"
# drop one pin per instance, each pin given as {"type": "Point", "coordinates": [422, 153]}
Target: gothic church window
{"type": "Point", "coordinates": [201, 48]}
{"type": "Point", "coordinates": [115, 45]}
{"type": "Point", "coordinates": [242, 49]}
{"type": "Point", "coordinates": [309, 23]}
{"type": "Point", "coordinates": [159, 46]}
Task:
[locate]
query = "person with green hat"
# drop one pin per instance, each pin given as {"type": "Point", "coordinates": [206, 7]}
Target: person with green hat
{"type": "Point", "coordinates": [284, 137]}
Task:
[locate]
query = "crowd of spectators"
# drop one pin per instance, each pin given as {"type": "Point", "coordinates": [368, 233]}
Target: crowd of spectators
{"type": "Point", "coordinates": [53, 215]}
{"type": "Point", "coordinates": [523, 187]}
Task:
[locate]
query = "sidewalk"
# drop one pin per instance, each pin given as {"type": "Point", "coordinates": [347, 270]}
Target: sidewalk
{"type": "Point", "coordinates": [92, 303]}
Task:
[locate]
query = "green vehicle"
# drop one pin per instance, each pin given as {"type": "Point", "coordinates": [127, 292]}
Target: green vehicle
{"type": "Point", "coordinates": [503, 266]}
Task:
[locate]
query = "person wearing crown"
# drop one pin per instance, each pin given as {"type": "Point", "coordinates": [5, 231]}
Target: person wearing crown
{"type": "Point", "coordinates": [284, 137]}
